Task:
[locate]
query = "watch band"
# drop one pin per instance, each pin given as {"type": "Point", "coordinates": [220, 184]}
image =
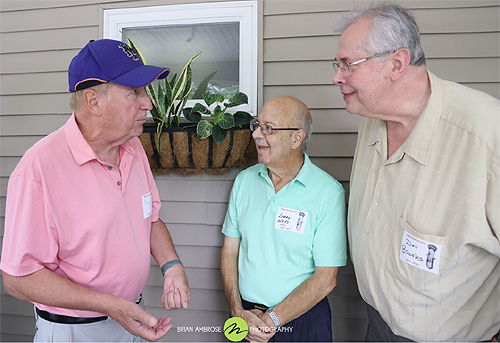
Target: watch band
{"type": "Point", "coordinates": [169, 264]}
{"type": "Point", "coordinates": [274, 318]}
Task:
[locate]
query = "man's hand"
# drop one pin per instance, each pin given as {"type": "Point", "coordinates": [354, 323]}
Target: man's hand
{"type": "Point", "coordinates": [140, 323]}
{"type": "Point", "coordinates": [258, 330]}
{"type": "Point", "coordinates": [175, 288]}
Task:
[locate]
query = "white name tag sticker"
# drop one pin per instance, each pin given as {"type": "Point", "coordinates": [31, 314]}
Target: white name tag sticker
{"type": "Point", "coordinates": [290, 220]}
{"type": "Point", "coordinates": [420, 253]}
{"type": "Point", "coordinates": [147, 205]}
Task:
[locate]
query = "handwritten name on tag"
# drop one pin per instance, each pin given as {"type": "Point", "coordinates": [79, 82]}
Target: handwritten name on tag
{"type": "Point", "coordinates": [147, 205]}
{"type": "Point", "coordinates": [420, 253]}
{"type": "Point", "coordinates": [290, 220]}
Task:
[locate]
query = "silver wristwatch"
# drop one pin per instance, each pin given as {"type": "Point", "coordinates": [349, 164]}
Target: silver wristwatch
{"type": "Point", "coordinates": [274, 317]}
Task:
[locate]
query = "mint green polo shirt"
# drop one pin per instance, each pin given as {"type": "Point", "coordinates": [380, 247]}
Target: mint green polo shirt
{"type": "Point", "coordinates": [285, 235]}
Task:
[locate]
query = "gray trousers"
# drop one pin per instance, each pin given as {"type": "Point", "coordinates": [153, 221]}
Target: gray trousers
{"type": "Point", "coordinates": [104, 331]}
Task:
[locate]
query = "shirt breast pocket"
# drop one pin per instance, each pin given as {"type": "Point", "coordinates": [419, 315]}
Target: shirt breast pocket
{"type": "Point", "coordinates": [419, 259]}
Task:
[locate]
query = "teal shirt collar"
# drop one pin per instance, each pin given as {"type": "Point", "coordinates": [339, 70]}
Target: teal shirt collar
{"type": "Point", "coordinates": [303, 177]}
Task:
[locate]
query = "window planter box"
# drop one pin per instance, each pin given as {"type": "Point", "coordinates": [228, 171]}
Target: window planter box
{"type": "Point", "coordinates": [182, 150]}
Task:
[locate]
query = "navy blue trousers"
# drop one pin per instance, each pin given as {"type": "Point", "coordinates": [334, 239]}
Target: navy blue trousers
{"type": "Point", "coordinates": [313, 326]}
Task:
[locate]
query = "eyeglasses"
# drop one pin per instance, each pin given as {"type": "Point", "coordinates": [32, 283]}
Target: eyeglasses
{"type": "Point", "coordinates": [345, 67]}
{"type": "Point", "coordinates": [268, 129]}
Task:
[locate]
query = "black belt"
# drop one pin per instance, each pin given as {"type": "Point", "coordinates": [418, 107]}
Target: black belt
{"type": "Point", "coordinates": [60, 319]}
{"type": "Point", "coordinates": [247, 305]}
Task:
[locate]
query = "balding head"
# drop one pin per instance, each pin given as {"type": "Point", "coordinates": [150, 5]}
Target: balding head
{"type": "Point", "coordinates": [294, 112]}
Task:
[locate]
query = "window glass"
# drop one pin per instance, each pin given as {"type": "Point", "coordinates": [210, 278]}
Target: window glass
{"type": "Point", "coordinates": [216, 70]}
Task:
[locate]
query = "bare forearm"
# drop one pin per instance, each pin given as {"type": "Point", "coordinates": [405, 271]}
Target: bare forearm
{"type": "Point", "coordinates": [162, 246]}
{"type": "Point", "coordinates": [229, 273]}
{"type": "Point", "coordinates": [47, 287]}
{"type": "Point", "coordinates": [306, 296]}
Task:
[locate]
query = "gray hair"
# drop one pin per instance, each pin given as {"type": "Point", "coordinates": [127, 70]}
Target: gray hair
{"type": "Point", "coordinates": [76, 98]}
{"type": "Point", "coordinates": [393, 28]}
{"type": "Point", "coordinates": [305, 121]}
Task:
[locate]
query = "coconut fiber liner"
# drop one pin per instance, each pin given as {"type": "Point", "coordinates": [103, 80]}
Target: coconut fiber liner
{"type": "Point", "coordinates": [182, 151]}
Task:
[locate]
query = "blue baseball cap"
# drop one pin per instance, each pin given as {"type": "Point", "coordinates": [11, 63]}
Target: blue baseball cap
{"type": "Point", "coordinates": [108, 60]}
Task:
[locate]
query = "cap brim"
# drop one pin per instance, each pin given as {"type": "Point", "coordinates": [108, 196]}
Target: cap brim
{"type": "Point", "coordinates": [141, 76]}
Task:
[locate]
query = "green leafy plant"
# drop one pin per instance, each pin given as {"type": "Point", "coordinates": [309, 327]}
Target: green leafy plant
{"type": "Point", "coordinates": [222, 120]}
{"type": "Point", "coordinates": [169, 101]}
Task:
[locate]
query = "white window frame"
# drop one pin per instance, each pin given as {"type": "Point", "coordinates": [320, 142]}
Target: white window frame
{"type": "Point", "coordinates": [244, 12]}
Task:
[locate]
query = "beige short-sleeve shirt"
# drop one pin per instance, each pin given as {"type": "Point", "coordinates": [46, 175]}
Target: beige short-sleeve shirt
{"type": "Point", "coordinates": [424, 225]}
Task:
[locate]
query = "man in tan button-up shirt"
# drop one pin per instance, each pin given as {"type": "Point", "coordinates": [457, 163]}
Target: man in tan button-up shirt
{"type": "Point", "coordinates": [423, 220]}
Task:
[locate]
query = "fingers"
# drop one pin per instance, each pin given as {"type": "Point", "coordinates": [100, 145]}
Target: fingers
{"type": "Point", "coordinates": [176, 298]}
{"type": "Point", "coordinates": [172, 300]}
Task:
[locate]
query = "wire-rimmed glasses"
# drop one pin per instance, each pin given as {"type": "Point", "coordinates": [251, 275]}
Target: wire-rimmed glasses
{"type": "Point", "coordinates": [268, 129]}
{"type": "Point", "coordinates": [345, 67]}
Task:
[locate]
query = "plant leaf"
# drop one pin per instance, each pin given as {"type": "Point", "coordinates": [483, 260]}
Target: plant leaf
{"type": "Point", "coordinates": [200, 108]}
{"type": "Point", "coordinates": [175, 121]}
{"type": "Point", "coordinates": [218, 134]}
{"type": "Point", "coordinates": [226, 121]}
{"type": "Point", "coordinates": [204, 129]}
{"type": "Point", "coordinates": [210, 98]}
{"type": "Point", "coordinates": [202, 87]}
{"type": "Point", "coordinates": [242, 118]}
{"type": "Point", "coordinates": [192, 116]}
{"type": "Point", "coordinates": [237, 99]}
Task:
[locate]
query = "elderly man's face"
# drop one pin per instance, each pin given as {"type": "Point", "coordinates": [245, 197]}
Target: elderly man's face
{"type": "Point", "coordinates": [364, 87]}
{"type": "Point", "coordinates": [274, 149]}
{"type": "Point", "coordinates": [125, 111]}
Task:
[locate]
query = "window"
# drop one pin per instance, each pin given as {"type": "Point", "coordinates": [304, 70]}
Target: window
{"type": "Point", "coordinates": [225, 33]}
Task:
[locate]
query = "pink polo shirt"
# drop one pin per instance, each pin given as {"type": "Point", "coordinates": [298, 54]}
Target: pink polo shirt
{"type": "Point", "coordinates": [81, 218]}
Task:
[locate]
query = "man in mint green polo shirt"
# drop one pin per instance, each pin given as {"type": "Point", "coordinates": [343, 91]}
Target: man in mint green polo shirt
{"type": "Point", "coordinates": [285, 233]}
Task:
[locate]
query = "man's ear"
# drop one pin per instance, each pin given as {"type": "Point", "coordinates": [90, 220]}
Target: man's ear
{"type": "Point", "coordinates": [92, 101]}
{"type": "Point", "coordinates": [400, 62]}
{"type": "Point", "coordinates": [298, 138]}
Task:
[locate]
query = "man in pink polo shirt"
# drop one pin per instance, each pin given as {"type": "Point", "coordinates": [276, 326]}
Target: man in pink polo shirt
{"type": "Point", "coordinates": [82, 211]}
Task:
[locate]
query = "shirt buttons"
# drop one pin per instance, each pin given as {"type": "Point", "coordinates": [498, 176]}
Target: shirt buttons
{"type": "Point", "coordinates": [110, 168]}
{"type": "Point", "coordinates": [118, 183]}
{"type": "Point", "coordinates": [383, 171]}
{"type": "Point", "coordinates": [375, 203]}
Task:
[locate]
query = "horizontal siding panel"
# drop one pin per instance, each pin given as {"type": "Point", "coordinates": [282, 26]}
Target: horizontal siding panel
{"type": "Point", "coordinates": [63, 17]}
{"type": "Point", "coordinates": [16, 146]}
{"type": "Point", "coordinates": [27, 41]}
{"type": "Point", "coordinates": [16, 307]}
{"type": "Point", "coordinates": [18, 325]}
{"type": "Point", "coordinates": [196, 190]}
{"type": "Point", "coordinates": [34, 104]}
{"type": "Point", "coordinates": [435, 46]}
{"type": "Point", "coordinates": [7, 165]}
{"type": "Point", "coordinates": [190, 234]}
{"type": "Point", "coordinates": [321, 73]}
{"type": "Point", "coordinates": [272, 7]}
{"type": "Point", "coordinates": [37, 62]}
{"type": "Point", "coordinates": [339, 167]}
{"type": "Point", "coordinates": [35, 83]}
{"type": "Point", "coordinates": [15, 5]}
{"type": "Point", "coordinates": [199, 257]}
{"type": "Point", "coordinates": [429, 21]}
{"type": "Point", "coordinates": [31, 125]}
{"type": "Point", "coordinates": [332, 145]}
{"type": "Point", "coordinates": [316, 96]}
{"type": "Point", "coordinates": [330, 120]}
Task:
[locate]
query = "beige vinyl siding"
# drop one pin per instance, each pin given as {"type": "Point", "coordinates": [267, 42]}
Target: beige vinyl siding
{"type": "Point", "coordinates": [38, 38]}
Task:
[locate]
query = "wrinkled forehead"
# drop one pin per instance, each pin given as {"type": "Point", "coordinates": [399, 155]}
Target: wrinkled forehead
{"type": "Point", "coordinates": [353, 39]}
{"type": "Point", "coordinates": [277, 113]}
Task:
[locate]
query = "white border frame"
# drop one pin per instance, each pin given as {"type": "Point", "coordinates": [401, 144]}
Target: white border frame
{"type": "Point", "coordinates": [244, 12]}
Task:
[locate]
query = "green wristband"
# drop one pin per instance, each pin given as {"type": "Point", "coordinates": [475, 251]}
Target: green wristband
{"type": "Point", "coordinates": [169, 264]}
